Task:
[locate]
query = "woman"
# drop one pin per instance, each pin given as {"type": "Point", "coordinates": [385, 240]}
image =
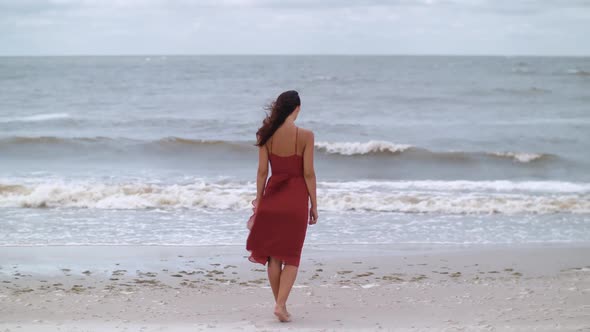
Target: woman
{"type": "Point", "coordinates": [282, 205]}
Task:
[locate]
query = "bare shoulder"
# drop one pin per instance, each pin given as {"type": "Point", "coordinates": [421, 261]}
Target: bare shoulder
{"type": "Point", "coordinates": [306, 134]}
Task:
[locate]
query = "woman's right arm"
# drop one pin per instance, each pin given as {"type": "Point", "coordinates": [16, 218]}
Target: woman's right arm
{"type": "Point", "coordinates": [309, 175]}
{"type": "Point", "coordinates": [262, 173]}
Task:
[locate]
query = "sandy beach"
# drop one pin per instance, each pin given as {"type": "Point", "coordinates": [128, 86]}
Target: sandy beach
{"type": "Point", "coordinates": [348, 288]}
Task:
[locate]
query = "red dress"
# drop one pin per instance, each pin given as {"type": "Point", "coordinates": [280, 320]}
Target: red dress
{"type": "Point", "coordinates": [280, 220]}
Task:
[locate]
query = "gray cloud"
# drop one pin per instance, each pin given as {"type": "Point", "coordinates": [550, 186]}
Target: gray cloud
{"type": "Point", "coordinates": [299, 26]}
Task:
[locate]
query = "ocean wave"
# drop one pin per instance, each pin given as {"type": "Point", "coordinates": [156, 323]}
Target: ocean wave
{"type": "Point", "coordinates": [389, 148]}
{"type": "Point", "coordinates": [448, 197]}
{"type": "Point", "coordinates": [351, 149]}
{"type": "Point", "coordinates": [520, 157]}
{"type": "Point", "coordinates": [323, 78]}
{"type": "Point", "coordinates": [527, 91]}
{"type": "Point", "coordinates": [37, 118]}
{"type": "Point", "coordinates": [578, 72]}
{"type": "Point", "coordinates": [496, 186]}
{"type": "Point", "coordinates": [522, 70]}
{"type": "Point", "coordinates": [172, 140]}
{"type": "Point", "coordinates": [461, 204]}
{"type": "Point", "coordinates": [53, 140]}
{"type": "Point", "coordinates": [358, 148]}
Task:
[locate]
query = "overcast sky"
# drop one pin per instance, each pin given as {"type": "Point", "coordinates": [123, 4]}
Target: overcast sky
{"type": "Point", "coordinates": [536, 27]}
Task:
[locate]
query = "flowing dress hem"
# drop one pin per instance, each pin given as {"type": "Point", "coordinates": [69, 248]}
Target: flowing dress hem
{"type": "Point", "coordinates": [263, 259]}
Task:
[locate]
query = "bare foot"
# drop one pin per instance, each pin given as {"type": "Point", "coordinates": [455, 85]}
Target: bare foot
{"type": "Point", "coordinates": [282, 314]}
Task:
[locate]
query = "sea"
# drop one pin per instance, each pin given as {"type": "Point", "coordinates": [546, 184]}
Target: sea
{"type": "Point", "coordinates": [159, 150]}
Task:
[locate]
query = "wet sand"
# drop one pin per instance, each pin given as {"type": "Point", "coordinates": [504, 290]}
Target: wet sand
{"type": "Point", "coordinates": [346, 288]}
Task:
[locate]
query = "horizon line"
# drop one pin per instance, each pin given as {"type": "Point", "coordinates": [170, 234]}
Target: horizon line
{"type": "Point", "coordinates": [293, 54]}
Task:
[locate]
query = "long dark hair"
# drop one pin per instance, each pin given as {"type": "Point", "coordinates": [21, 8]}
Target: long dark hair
{"type": "Point", "coordinates": [278, 111]}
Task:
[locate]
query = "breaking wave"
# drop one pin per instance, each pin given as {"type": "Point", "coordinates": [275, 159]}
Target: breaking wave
{"type": "Point", "coordinates": [372, 148]}
{"type": "Point", "coordinates": [36, 118]}
{"type": "Point", "coordinates": [449, 197]}
{"type": "Point", "coordinates": [358, 148]}
{"type": "Point", "coordinates": [578, 72]}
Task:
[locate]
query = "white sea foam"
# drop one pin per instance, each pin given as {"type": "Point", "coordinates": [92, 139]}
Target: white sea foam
{"type": "Point", "coordinates": [36, 118]}
{"type": "Point", "coordinates": [452, 197]}
{"type": "Point", "coordinates": [520, 157]}
{"type": "Point", "coordinates": [370, 147]}
{"type": "Point", "coordinates": [530, 187]}
{"type": "Point", "coordinates": [456, 204]}
{"type": "Point", "coordinates": [357, 148]}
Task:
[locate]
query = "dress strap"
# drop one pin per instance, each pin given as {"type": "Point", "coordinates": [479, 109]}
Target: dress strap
{"type": "Point", "coordinates": [296, 131]}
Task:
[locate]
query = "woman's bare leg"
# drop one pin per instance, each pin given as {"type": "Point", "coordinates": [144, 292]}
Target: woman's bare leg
{"type": "Point", "coordinates": [275, 267]}
{"type": "Point", "coordinates": [288, 276]}
{"type": "Point", "coordinates": [274, 275]}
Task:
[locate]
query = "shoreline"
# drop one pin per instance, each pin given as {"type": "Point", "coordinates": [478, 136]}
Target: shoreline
{"type": "Point", "coordinates": [352, 288]}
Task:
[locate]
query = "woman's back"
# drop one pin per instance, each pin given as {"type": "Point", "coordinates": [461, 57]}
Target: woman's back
{"type": "Point", "coordinates": [284, 149]}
